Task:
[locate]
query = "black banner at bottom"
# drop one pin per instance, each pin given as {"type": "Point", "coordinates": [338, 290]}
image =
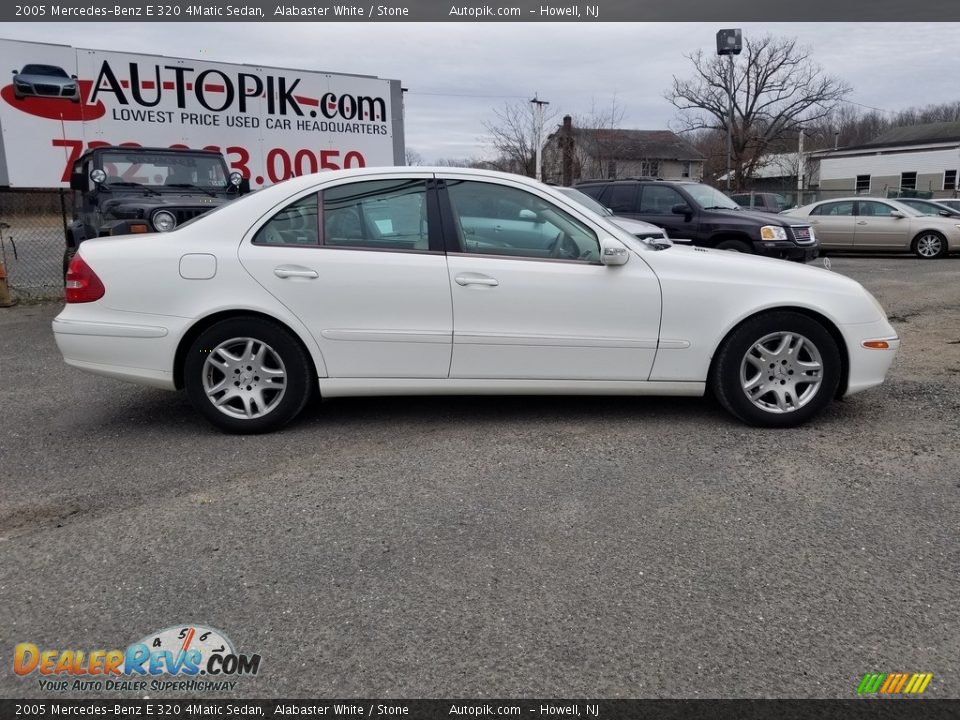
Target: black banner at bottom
{"type": "Point", "coordinates": [580, 709]}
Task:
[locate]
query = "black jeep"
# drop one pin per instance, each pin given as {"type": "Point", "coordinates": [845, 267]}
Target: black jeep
{"type": "Point", "coordinates": [124, 190]}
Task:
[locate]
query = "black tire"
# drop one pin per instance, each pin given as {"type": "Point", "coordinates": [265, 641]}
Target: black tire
{"type": "Point", "coordinates": [266, 404]}
{"type": "Point", "coordinates": [736, 246]}
{"type": "Point", "coordinates": [733, 370]}
{"type": "Point", "coordinates": [930, 245]}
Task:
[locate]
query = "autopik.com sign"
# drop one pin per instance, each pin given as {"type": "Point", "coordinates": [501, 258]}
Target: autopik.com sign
{"type": "Point", "coordinates": [269, 123]}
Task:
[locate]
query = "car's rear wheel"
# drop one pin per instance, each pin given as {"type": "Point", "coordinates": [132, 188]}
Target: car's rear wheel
{"type": "Point", "coordinates": [930, 245]}
{"type": "Point", "coordinates": [247, 375]}
{"type": "Point", "coordinates": [734, 246]}
{"type": "Point", "coordinates": [778, 369]}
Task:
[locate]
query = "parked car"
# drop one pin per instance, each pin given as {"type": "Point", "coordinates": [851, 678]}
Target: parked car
{"type": "Point", "coordinates": [637, 228]}
{"type": "Point", "coordinates": [45, 81]}
{"type": "Point", "coordinates": [377, 282]}
{"type": "Point", "coordinates": [953, 203]}
{"type": "Point", "coordinates": [706, 216]}
{"type": "Point", "coordinates": [761, 202]}
{"type": "Point", "coordinates": [122, 190]}
{"type": "Point", "coordinates": [929, 207]}
{"type": "Point", "coordinates": [858, 223]}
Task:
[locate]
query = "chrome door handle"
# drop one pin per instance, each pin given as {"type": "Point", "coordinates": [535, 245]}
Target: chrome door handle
{"type": "Point", "coordinates": [289, 272]}
{"type": "Point", "coordinates": [476, 280]}
{"type": "Point", "coordinates": [862, 222]}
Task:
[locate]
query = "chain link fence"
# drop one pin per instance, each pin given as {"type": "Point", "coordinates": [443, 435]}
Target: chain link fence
{"type": "Point", "coordinates": [32, 241]}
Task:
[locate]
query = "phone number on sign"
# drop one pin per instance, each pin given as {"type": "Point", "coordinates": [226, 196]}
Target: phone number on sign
{"type": "Point", "coordinates": [281, 163]}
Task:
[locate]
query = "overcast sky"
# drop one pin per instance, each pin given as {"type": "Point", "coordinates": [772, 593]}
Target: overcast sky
{"type": "Point", "coordinates": [457, 73]}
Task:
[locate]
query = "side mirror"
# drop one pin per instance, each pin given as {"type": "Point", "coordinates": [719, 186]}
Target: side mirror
{"type": "Point", "coordinates": [681, 209]}
{"type": "Point", "coordinates": [15, 72]}
{"type": "Point", "coordinates": [74, 77]}
{"type": "Point", "coordinates": [613, 252]}
{"type": "Point", "coordinates": [527, 214]}
{"type": "Point", "coordinates": [896, 214]}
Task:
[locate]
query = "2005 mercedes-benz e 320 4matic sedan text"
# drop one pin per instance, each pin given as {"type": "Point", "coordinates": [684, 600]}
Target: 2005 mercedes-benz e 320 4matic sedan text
{"type": "Point", "coordinates": [416, 281]}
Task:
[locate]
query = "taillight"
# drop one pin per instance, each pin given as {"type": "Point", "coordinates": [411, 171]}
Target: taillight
{"type": "Point", "coordinates": [82, 285]}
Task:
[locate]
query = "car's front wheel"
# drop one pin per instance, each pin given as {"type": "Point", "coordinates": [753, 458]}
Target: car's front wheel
{"type": "Point", "coordinates": [247, 375]}
{"type": "Point", "coordinates": [735, 246]}
{"type": "Point", "coordinates": [778, 369]}
{"type": "Point", "coordinates": [930, 245]}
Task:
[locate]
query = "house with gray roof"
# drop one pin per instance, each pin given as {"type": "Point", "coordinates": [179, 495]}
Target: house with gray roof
{"type": "Point", "coordinates": [916, 159]}
{"type": "Point", "coordinates": [572, 154]}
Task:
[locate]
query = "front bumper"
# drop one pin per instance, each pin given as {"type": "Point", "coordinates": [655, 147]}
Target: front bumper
{"type": "Point", "coordinates": [786, 250]}
{"type": "Point", "coordinates": [868, 366]}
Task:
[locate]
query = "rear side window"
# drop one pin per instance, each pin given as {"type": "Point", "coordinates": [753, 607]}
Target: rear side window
{"type": "Point", "coordinates": [621, 198]}
{"type": "Point", "coordinates": [377, 215]}
{"type": "Point", "coordinates": [835, 208]}
{"type": "Point", "coordinates": [296, 224]}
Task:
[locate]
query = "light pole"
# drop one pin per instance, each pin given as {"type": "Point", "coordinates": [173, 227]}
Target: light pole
{"type": "Point", "coordinates": [729, 42]}
{"type": "Point", "coordinates": [539, 103]}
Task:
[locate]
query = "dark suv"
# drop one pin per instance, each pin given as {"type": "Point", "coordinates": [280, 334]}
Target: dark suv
{"type": "Point", "coordinates": [706, 217]}
{"type": "Point", "coordinates": [124, 190]}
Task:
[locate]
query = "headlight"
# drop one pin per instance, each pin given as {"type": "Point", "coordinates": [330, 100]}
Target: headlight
{"type": "Point", "coordinates": [813, 235]}
{"type": "Point", "coordinates": [772, 232]}
{"type": "Point", "coordinates": [164, 221]}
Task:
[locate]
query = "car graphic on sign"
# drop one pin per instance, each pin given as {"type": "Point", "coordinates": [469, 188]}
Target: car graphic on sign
{"type": "Point", "coordinates": [48, 81]}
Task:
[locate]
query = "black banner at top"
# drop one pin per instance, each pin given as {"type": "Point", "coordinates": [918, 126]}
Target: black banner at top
{"type": "Point", "coordinates": [728, 11]}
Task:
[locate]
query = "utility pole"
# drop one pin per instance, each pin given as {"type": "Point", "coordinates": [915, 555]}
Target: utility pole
{"type": "Point", "coordinates": [539, 103]}
{"type": "Point", "coordinates": [730, 43]}
{"type": "Point", "coordinates": [801, 168]}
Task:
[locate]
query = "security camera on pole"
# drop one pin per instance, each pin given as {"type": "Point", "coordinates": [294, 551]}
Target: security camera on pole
{"type": "Point", "coordinates": [539, 103]}
{"type": "Point", "coordinates": [730, 43]}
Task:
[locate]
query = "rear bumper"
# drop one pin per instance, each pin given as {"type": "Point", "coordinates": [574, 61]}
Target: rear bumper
{"type": "Point", "coordinates": [139, 349]}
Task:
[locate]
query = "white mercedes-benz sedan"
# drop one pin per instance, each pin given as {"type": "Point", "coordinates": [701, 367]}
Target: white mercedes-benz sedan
{"type": "Point", "coordinates": [392, 281]}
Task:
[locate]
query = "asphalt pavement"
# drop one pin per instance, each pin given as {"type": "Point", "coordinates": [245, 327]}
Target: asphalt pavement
{"type": "Point", "coordinates": [498, 547]}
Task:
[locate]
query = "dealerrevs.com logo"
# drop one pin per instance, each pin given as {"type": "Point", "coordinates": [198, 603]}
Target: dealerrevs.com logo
{"type": "Point", "coordinates": [197, 658]}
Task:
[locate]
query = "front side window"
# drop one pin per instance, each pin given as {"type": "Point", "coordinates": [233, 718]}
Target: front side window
{"type": "Point", "coordinates": [163, 169]}
{"type": "Point", "coordinates": [875, 209]}
{"type": "Point", "coordinates": [499, 220]}
{"type": "Point", "coordinates": [377, 215]}
{"type": "Point", "coordinates": [659, 200]}
{"type": "Point", "coordinates": [296, 224]}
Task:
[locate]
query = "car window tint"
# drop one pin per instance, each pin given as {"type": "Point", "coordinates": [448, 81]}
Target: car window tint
{"type": "Point", "coordinates": [377, 215]}
{"type": "Point", "coordinates": [620, 198]}
{"type": "Point", "coordinates": [875, 209]}
{"type": "Point", "coordinates": [296, 224]}
{"type": "Point", "coordinates": [835, 208]}
{"type": "Point", "coordinates": [499, 220]}
{"type": "Point", "coordinates": [659, 200]}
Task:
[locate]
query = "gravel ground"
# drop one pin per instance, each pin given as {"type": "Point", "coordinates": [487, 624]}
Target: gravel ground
{"type": "Point", "coordinates": [520, 547]}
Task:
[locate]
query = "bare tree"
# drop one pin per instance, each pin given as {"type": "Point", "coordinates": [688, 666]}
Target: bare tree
{"type": "Point", "coordinates": [777, 88]}
{"type": "Point", "coordinates": [514, 136]}
{"type": "Point", "coordinates": [412, 157]}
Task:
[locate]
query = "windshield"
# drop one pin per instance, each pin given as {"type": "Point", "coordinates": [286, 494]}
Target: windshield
{"type": "Point", "coordinates": [180, 170]}
{"type": "Point", "coordinates": [50, 70]}
{"type": "Point", "coordinates": [708, 197]}
{"type": "Point", "coordinates": [585, 200]}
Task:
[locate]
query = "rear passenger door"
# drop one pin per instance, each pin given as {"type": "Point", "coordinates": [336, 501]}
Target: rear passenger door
{"type": "Point", "coordinates": [834, 224]}
{"type": "Point", "coordinates": [362, 265]}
